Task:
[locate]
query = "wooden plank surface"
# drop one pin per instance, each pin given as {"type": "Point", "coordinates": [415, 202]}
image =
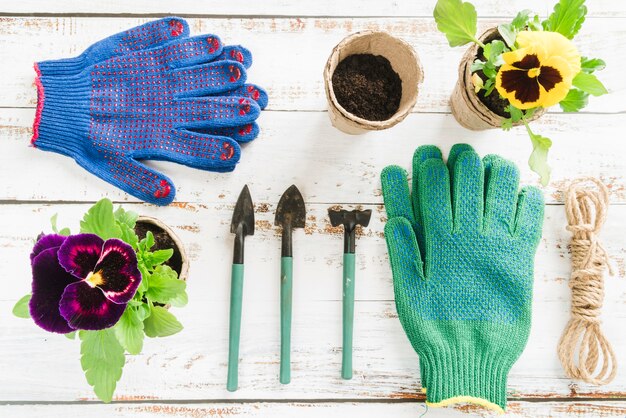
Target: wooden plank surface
{"type": "Point", "coordinates": [193, 364]}
{"type": "Point", "coordinates": [185, 375]}
{"type": "Point", "coordinates": [290, 53]}
{"type": "Point", "coordinates": [331, 167]}
{"type": "Point", "coordinates": [327, 8]}
{"type": "Point", "coordinates": [318, 409]}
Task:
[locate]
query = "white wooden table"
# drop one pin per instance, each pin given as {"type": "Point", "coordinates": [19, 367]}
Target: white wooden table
{"type": "Point", "coordinates": [185, 376]}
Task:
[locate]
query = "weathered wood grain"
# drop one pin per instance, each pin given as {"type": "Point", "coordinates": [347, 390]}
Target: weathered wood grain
{"type": "Point", "coordinates": [330, 167]}
{"type": "Point", "coordinates": [38, 366]}
{"type": "Point", "coordinates": [290, 53]}
{"type": "Point", "coordinates": [309, 410]}
{"type": "Point", "coordinates": [327, 8]}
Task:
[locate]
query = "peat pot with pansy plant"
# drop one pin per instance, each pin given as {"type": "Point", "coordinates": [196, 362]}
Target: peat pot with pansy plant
{"type": "Point", "coordinates": [512, 73]}
{"type": "Point", "coordinates": [110, 285]}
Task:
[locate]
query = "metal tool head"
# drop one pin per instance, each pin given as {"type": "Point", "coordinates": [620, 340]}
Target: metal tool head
{"type": "Point", "coordinates": [290, 210]}
{"type": "Point", "coordinates": [244, 214]}
{"type": "Point", "coordinates": [349, 218]}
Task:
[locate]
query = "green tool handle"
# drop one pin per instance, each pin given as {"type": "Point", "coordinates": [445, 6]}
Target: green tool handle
{"type": "Point", "coordinates": [348, 314]}
{"type": "Point", "coordinates": [286, 285]}
{"type": "Point", "coordinates": [236, 293]}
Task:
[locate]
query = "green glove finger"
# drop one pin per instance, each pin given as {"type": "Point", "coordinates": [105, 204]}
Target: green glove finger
{"type": "Point", "coordinates": [529, 217]}
{"type": "Point", "coordinates": [434, 197]}
{"type": "Point", "coordinates": [404, 254]}
{"type": "Point", "coordinates": [396, 193]}
{"type": "Point", "coordinates": [502, 182]}
{"type": "Point", "coordinates": [421, 154]}
{"type": "Point", "coordinates": [455, 151]}
{"type": "Point", "coordinates": [467, 191]}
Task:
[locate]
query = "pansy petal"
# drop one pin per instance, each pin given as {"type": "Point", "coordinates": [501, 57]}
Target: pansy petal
{"type": "Point", "coordinates": [86, 307]}
{"type": "Point", "coordinates": [552, 44]}
{"type": "Point", "coordinates": [559, 64]}
{"type": "Point", "coordinates": [555, 95]}
{"type": "Point", "coordinates": [80, 253]}
{"type": "Point", "coordinates": [116, 272]}
{"type": "Point", "coordinates": [516, 55]}
{"type": "Point", "coordinates": [45, 242]}
{"type": "Point", "coordinates": [49, 282]}
{"type": "Point", "coordinates": [519, 89]}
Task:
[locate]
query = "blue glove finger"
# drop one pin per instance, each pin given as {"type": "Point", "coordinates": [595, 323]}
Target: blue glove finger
{"type": "Point", "coordinates": [467, 174]}
{"type": "Point", "coordinates": [207, 79]}
{"type": "Point", "coordinates": [188, 51]}
{"type": "Point", "coordinates": [214, 112]}
{"type": "Point", "coordinates": [501, 187]}
{"type": "Point", "coordinates": [396, 193]}
{"type": "Point", "coordinates": [133, 177]}
{"type": "Point", "coordinates": [193, 149]}
{"type": "Point", "coordinates": [251, 91]}
{"type": "Point", "coordinates": [236, 53]}
{"type": "Point", "coordinates": [241, 134]}
{"type": "Point", "coordinates": [434, 198]}
{"type": "Point", "coordinates": [146, 36]}
{"type": "Point", "coordinates": [529, 214]}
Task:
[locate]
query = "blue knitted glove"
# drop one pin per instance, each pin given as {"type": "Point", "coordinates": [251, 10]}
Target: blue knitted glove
{"type": "Point", "coordinates": [146, 36]}
{"type": "Point", "coordinates": [181, 102]}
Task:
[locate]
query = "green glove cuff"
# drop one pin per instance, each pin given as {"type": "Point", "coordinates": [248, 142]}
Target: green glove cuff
{"type": "Point", "coordinates": [461, 374]}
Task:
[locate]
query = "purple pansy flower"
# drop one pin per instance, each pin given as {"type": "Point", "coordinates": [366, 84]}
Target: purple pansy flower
{"type": "Point", "coordinates": [81, 282]}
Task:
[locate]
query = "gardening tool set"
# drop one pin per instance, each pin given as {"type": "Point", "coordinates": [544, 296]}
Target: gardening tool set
{"type": "Point", "coordinates": [290, 214]}
{"type": "Point", "coordinates": [461, 243]}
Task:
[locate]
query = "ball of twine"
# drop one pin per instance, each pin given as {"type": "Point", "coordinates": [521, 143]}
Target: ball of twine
{"type": "Point", "coordinates": [583, 345]}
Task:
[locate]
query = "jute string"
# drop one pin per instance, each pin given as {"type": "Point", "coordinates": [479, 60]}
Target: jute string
{"type": "Point", "coordinates": [583, 345]}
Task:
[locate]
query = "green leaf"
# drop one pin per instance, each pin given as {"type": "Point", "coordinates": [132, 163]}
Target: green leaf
{"type": "Point", "coordinates": [164, 285]}
{"type": "Point", "coordinates": [506, 124]}
{"type": "Point", "coordinates": [99, 220]}
{"type": "Point", "coordinates": [567, 18]}
{"type": "Point", "coordinates": [589, 83]}
{"type": "Point", "coordinates": [516, 114]}
{"type": "Point", "coordinates": [508, 33]}
{"type": "Point", "coordinates": [538, 160]}
{"type": "Point", "coordinates": [589, 65]}
{"type": "Point", "coordinates": [534, 24]}
{"type": "Point", "coordinates": [521, 20]}
{"type": "Point", "coordinates": [53, 221]}
{"type": "Point", "coordinates": [129, 330]}
{"type": "Point", "coordinates": [477, 65]}
{"type": "Point", "coordinates": [457, 20]}
{"type": "Point", "coordinates": [147, 243]}
{"type": "Point", "coordinates": [161, 323]}
{"type": "Point", "coordinates": [128, 235]}
{"type": "Point", "coordinates": [102, 359]}
{"type": "Point", "coordinates": [128, 218]}
{"type": "Point", "coordinates": [158, 257]}
{"type": "Point", "coordinates": [143, 311]}
{"type": "Point", "coordinates": [20, 309]}
{"type": "Point", "coordinates": [574, 101]}
{"type": "Point", "coordinates": [70, 335]}
{"type": "Point", "coordinates": [145, 275]}
{"type": "Point", "coordinates": [180, 300]}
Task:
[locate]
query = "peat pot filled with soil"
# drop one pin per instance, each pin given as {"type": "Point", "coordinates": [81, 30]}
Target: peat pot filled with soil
{"type": "Point", "coordinates": [165, 238]}
{"type": "Point", "coordinates": [371, 81]}
{"type": "Point", "coordinates": [475, 110]}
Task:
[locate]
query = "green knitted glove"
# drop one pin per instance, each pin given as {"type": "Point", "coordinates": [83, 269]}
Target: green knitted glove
{"type": "Point", "coordinates": [466, 304]}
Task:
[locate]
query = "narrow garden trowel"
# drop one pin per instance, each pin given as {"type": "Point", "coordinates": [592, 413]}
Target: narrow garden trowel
{"type": "Point", "coordinates": [349, 220]}
{"type": "Point", "coordinates": [290, 213]}
{"type": "Point", "coordinates": [241, 225]}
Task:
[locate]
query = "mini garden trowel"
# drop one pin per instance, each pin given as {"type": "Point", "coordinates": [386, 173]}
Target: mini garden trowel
{"type": "Point", "coordinates": [349, 220]}
{"type": "Point", "coordinates": [290, 213]}
{"type": "Point", "coordinates": [241, 225]}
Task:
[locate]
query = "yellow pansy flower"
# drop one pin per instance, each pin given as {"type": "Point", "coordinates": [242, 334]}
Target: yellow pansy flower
{"type": "Point", "coordinates": [540, 71]}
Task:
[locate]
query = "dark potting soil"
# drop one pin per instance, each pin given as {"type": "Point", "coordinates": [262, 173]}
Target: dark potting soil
{"type": "Point", "coordinates": [367, 86]}
{"type": "Point", "coordinates": [162, 241]}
